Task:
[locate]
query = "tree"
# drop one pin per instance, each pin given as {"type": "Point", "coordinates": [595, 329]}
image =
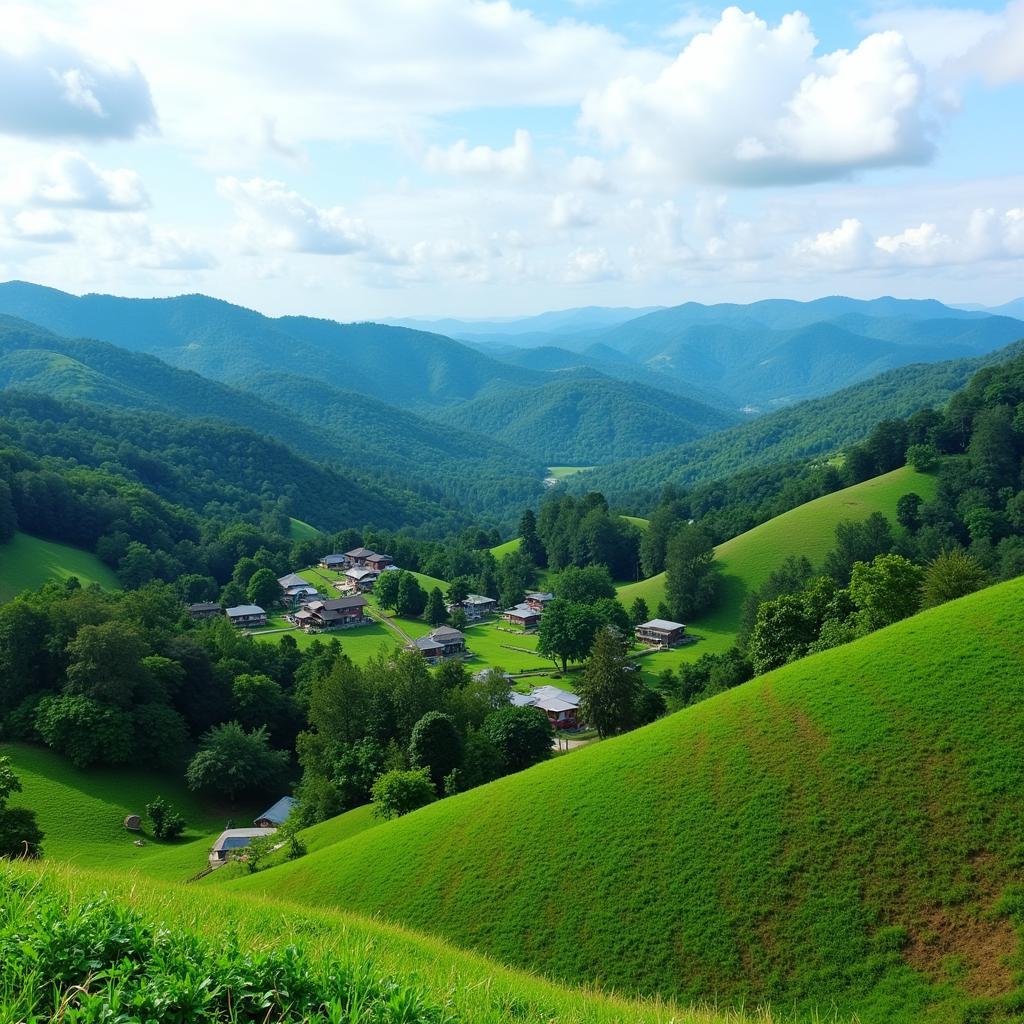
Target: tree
{"type": "Point", "coordinates": [231, 761]}
{"type": "Point", "coordinates": [459, 589]}
{"type": "Point", "coordinates": [435, 744]}
{"type": "Point", "coordinates": [106, 662]}
{"type": "Point", "coordinates": [610, 612]}
{"type": "Point", "coordinates": [356, 769]}
{"type": "Point", "coordinates": [608, 692]}
{"type": "Point", "coordinates": [515, 574]}
{"type": "Point", "coordinates": [908, 512]}
{"type": "Point", "coordinates": [19, 832]}
{"type": "Point", "coordinates": [386, 588]}
{"type": "Point", "coordinates": [260, 701]}
{"type": "Point", "coordinates": [398, 792]}
{"type": "Point", "coordinates": [263, 588]}
{"type": "Point", "coordinates": [857, 541]}
{"type": "Point", "coordinates": [994, 450]}
{"type": "Point", "coordinates": [482, 762]}
{"type": "Point", "coordinates": [435, 612]}
{"type": "Point", "coordinates": [530, 543]}
{"type": "Point", "coordinates": [167, 822]}
{"type": "Point", "coordinates": [412, 598]}
{"type": "Point", "coordinates": [457, 620]}
{"type": "Point", "coordinates": [639, 612]}
{"type": "Point", "coordinates": [781, 633]}
{"type": "Point", "coordinates": [950, 575]}
{"type": "Point", "coordinates": [523, 735]}
{"type": "Point", "coordinates": [691, 576]}
{"type": "Point", "coordinates": [923, 457]}
{"type": "Point", "coordinates": [885, 590]}
{"type": "Point", "coordinates": [567, 631]}
{"type": "Point", "coordinates": [583, 586]}
{"type": "Point", "coordinates": [85, 731]}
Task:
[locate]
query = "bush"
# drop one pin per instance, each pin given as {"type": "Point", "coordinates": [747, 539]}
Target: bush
{"type": "Point", "coordinates": [85, 731]}
{"type": "Point", "coordinates": [398, 792]}
{"type": "Point", "coordinates": [167, 822]}
{"type": "Point", "coordinates": [231, 761]}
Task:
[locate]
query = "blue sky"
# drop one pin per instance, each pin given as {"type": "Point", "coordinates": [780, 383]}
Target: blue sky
{"type": "Point", "coordinates": [484, 157]}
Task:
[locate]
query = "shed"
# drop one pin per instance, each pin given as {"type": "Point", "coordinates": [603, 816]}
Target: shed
{"type": "Point", "coordinates": [276, 815]}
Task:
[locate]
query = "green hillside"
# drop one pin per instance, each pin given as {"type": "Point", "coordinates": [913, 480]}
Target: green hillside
{"type": "Point", "coordinates": [372, 972]}
{"type": "Point", "coordinates": [28, 562]}
{"type": "Point", "coordinates": [301, 530]}
{"type": "Point", "coordinates": [844, 832]}
{"type": "Point", "coordinates": [748, 560]}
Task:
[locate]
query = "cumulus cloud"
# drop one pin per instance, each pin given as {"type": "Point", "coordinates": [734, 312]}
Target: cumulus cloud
{"type": "Point", "coordinates": [846, 246]}
{"type": "Point", "coordinates": [273, 215]}
{"type": "Point", "coordinates": [924, 244]}
{"type": "Point", "coordinates": [132, 239]}
{"type": "Point", "coordinates": [67, 179]}
{"type": "Point", "coordinates": [515, 161]}
{"type": "Point", "coordinates": [41, 226]}
{"type": "Point", "coordinates": [750, 104]}
{"type": "Point", "coordinates": [52, 88]}
{"type": "Point", "coordinates": [588, 172]}
{"type": "Point", "coordinates": [570, 211]}
{"type": "Point", "coordinates": [586, 266]}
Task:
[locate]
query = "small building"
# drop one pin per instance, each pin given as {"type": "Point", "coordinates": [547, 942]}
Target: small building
{"type": "Point", "coordinates": [378, 562]}
{"type": "Point", "coordinates": [357, 557]}
{"type": "Point", "coordinates": [522, 615]}
{"type": "Point", "coordinates": [561, 706]}
{"type": "Point", "coordinates": [360, 579]}
{"type": "Point", "coordinates": [539, 600]}
{"type": "Point", "coordinates": [231, 840]}
{"type": "Point", "coordinates": [247, 615]}
{"type": "Point", "coordinates": [277, 815]}
{"type": "Point", "coordinates": [205, 610]}
{"type": "Point", "coordinates": [337, 613]}
{"type": "Point", "coordinates": [660, 633]}
{"type": "Point", "coordinates": [336, 562]}
{"type": "Point", "coordinates": [476, 606]}
{"type": "Point", "coordinates": [442, 643]}
{"type": "Point", "coordinates": [295, 589]}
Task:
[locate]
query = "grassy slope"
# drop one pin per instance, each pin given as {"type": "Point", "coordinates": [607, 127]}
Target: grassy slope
{"type": "Point", "coordinates": [838, 830]}
{"type": "Point", "coordinates": [302, 531]}
{"type": "Point", "coordinates": [82, 813]}
{"type": "Point", "coordinates": [468, 987]}
{"type": "Point", "coordinates": [748, 560]}
{"type": "Point", "coordinates": [28, 562]}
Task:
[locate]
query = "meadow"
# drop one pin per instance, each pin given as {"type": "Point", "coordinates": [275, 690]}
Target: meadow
{"type": "Point", "coordinates": [28, 562]}
{"type": "Point", "coordinates": [844, 832]}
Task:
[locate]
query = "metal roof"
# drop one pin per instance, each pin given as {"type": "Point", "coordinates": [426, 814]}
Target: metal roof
{"type": "Point", "coordinates": [661, 624]}
{"type": "Point", "coordinates": [278, 814]}
{"type": "Point", "coordinates": [246, 609]}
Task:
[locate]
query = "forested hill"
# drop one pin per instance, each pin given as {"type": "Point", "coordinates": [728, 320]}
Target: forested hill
{"type": "Point", "coordinates": [226, 342]}
{"type": "Point", "coordinates": [587, 421]}
{"type": "Point", "coordinates": [357, 432]}
{"type": "Point", "coordinates": [811, 428]}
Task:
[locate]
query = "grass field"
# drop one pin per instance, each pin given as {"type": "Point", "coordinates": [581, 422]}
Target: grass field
{"type": "Point", "coordinates": [561, 472]}
{"type": "Point", "coordinates": [748, 560]}
{"type": "Point", "coordinates": [302, 531]}
{"type": "Point", "coordinates": [416, 980]}
{"type": "Point", "coordinates": [839, 833]}
{"type": "Point", "coordinates": [27, 562]}
{"type": "Point", "coordinates": [82, 814]}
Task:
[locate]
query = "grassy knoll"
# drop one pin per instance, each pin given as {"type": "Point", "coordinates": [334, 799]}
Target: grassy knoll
{"type": "Point", "coordinates": [748, 560]}
{"type": "Point", "coordinates": [27, 562]}
{"type": "Point", "coordinates": [82, 813]}
{"type": "Point", "coordinates": [839, 832]}
{"type": "Point", "coordinates": [302, 531]}
{"type": "Point", "coordinates": [404, 978]}
{"type": "Point", "coordinates": [640, 524]}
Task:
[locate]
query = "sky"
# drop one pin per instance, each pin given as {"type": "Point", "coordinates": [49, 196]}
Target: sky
{"type": "Point", "coordinates": [416, 158]}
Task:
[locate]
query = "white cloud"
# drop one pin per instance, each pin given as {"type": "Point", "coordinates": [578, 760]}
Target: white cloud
{"type": "Point", "coordinates": [924, 244]}
{"type": "Point", "coordinates": [67, 179]}
{"type": "Point", "coordinates": [588, 172]}
{"type": "Point", "coordinates": [586, 266]}
{"type": "Point", "coordinates": [52, 87]}
{"type": "Point", "coordinates": [570, 211]}
{"type": "Point", "coordinates": [272, 215]}
{"type": "Point", "coordinates": [749, 104]}
{"type": "Point", "coordinates": [935, 35]}
{"type": "Point", "coordinates": [999, 56]}
{"type": "Point", "coordinates": [43, 226]}
{"type": "Point", "coordinates": [515, 161]}
{"type": "Point", "coordinates": [848, 245]}
{"type": "Point", "coordinates": [133, 240]}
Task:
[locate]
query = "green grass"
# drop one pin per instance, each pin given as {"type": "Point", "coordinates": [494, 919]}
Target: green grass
{"type": "Point", "coordinates": [302, 531]}
{"type": "Point", "coordinates": [82, 814]}
{"type": "Point", "coordinates": [640, 524]}
{"type": "Point", "coordinates": [62, 912]}
{"type": "Point", "coordinates": [561, 472]}
{"type": "Point", "coordinates": [837, 832]}
{"type": "Point", "coordinates": [491, 645]}
{"type": "Point", "coordinates": [749, 559]}
{"type": "Point", "coordinates": [27, 562]}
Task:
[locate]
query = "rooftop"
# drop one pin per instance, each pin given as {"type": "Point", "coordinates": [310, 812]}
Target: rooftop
{"type": "Point", "coordinates": [278, 813]}
{"type": "Point", "coordinates": [661, 624]}
{"type": "Point", "coordinates": [246, 609]}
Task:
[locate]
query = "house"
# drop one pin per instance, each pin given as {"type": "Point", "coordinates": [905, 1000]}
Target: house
{"type": "Point", "coordinates": [561, 706]}
{"type": "Point", "coordinates": [205, 610]}
{"type": "Point", "coordinates": [276, 816]}
{"type": "Point", "coordinates": [539, 600]}
{"type": "Point", "coordinates": [357, 557]}
{"type": "Point", "coordinates": [338, 613]}
{"type": "Point", "coordinates": [336, 562]}
{"type": "Point", "coordinates": [475, 606]}
{"type": "Point", "coordinates": [233, 839]}
{"type": "Point", "coordinates": [378, 562]}
{"type": "Point", "coordinates": [247, 615]}
{"type": "Point", "coordinates": [661, 633]}
{"type": "Point", "coordinates": [360, 579]}
{"type": "Point", "coordinates": [295, 589]}
{"type": "Point", "coordinates": [522, 615]}
{"type": "Point", "coordinates": [444, 642]}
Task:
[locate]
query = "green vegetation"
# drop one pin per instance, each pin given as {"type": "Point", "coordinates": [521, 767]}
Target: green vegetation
{"type": "Point", "coordinates": [746, 561]}
{"type": "Point", "coordinates": [844, 831]}
{"type": "Point", "coordinates": [28, 562]}
{"type": "Point", "coordinates": [561, 472]}
{"type": "Point", "coordinates": [298, 530]}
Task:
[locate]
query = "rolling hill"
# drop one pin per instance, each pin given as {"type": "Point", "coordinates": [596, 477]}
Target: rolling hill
{"type": "Point", "coordinates": [748, 560]}
{"type": "Point", "coordinates": [28, 562]}
{"type": "Point", "coordinates": [843, 833]}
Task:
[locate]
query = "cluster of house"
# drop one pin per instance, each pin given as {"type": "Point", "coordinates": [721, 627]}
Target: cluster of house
{"type": "Point", "coordinates": [241, 615]}
{"type": "Point", "coordinates": [528, 613]}
{"type": "Point", "coordinates": [231, 840]}
{"type": "Point", "coordinates": [359, 569]}
{"type": "Point", "coordinates": [561, 706]}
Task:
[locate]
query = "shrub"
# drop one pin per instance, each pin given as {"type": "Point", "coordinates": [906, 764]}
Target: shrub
{"type": "Point", "coordinates": [398, 792]}
{"type": "Point", "coordinates": [167, 822]}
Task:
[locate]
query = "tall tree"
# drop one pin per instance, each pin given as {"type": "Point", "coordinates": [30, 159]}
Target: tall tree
{"type": "Point", "coordinates": [386, 588]}
{"type": "Point", "coordinates": [950, 575]}
{"type": "Point", "coordinates": [412, 598]}
{"type": "Point", "coordinates": [691, 576]}
{"type": "Point", "coordinates": [567, 631]}
{"type": "Point", "coordinates": [263, 588]}
{"type": "Point", "coordinates": [435, 744]}
{"type": "Point", "coordinates": [435, 612]}
{"type": "Point", "coordinates": [530, 542]}
{"type": "Point", "coordinates": [608, 692]}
